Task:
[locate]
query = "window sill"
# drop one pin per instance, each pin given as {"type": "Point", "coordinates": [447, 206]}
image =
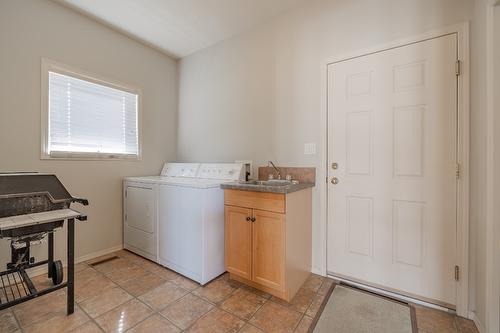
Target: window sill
{"type": "Point", "coordinates": [68, 156]}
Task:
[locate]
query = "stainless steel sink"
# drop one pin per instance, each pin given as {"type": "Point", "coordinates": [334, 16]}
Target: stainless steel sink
{"type": "Point", "coordinates": [271, 182]}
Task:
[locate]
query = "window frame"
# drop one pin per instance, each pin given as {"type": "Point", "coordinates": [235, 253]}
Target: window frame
{"type": "Point", "coordinates": [47, 66]}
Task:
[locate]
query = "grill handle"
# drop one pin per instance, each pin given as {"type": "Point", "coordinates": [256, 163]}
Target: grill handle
{"type": "Point", "coordinates": [82, 201]}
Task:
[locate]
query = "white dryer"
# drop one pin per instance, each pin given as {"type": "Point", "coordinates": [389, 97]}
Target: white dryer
{"type": "Point", "coordinates": [177, 219]}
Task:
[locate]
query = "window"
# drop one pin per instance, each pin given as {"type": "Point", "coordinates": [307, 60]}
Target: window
{"type": "Point", "coordinates": [88, 118]}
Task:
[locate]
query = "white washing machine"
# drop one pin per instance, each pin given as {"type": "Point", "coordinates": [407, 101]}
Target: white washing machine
{"type": "Point", "coordinates": [177, 218]}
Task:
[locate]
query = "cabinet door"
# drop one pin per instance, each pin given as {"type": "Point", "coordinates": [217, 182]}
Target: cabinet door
{"type": "Point", "coordinates": [269, 249]}
{"type": "Point", "coordinates": [238, 241]}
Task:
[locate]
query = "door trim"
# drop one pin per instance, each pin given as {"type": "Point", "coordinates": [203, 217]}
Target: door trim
{"type": "Point", "coordinates": [463, 142]}
{"type": "Point", "coordinates": [492, 320]}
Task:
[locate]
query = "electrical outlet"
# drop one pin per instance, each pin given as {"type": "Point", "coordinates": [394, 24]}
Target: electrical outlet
{"type": "Point", "coordinates": [310, 148]}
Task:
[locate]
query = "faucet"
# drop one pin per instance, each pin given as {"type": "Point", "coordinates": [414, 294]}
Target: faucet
{"type": "Point", "coordinates": [275, 168]}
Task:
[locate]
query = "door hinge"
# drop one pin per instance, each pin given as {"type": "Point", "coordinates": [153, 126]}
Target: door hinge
{"type": "Point", "coordinates": [457, 273]}
{"type": "Point", "coordinates": [457, 67]}
{"type": "Point", "coordinates": [126, 192]}
{"type": "Point", "coordinates": [125, 217]}
{"type": "Point", "coordinates": [457, 171]}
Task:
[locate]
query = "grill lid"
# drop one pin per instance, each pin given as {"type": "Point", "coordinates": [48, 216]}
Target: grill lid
{"type": "Point", "coordinates": [27, 184]}
{"type": "Point", "coordinates": [28, 193]}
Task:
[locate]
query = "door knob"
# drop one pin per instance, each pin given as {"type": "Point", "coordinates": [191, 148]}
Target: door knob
{"type": "Point", "coordinates": [248, 218]}
{"type": "Point", "coordinates": [334, 180]}
{"type": "Point", "coordinates": [253, 219]}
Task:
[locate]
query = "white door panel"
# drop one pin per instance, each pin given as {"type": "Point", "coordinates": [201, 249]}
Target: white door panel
{"type": "Point", "coordinates": [392, 132]}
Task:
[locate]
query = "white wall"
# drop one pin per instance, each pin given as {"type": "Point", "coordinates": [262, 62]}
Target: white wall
{"type": "Point", "coordinates": [258, 95]}
{"type": "Point", "coordinates": [31, 29]}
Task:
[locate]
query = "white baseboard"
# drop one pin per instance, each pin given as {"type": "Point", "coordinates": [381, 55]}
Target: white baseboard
{"type": "Point", "coordinates": [318, 271]}
{"type": "Point", "coordinates": [98, 254]}
{"type": "Point", "coordinates": [43, 269]}
{"type": "Point", "coordinates": [479, 324]}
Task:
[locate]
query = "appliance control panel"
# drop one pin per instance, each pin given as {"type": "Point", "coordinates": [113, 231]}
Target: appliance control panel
{"type": "Point", "coordinates": [224, 171]}
{"type": "Point", "coordinates": [180, 170]}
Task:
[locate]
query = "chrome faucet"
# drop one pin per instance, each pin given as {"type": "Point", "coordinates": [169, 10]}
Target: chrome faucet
{"type": "Point", "coordinates": [275, 168]}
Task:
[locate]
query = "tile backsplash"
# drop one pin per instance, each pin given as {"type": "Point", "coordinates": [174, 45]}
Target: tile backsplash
{"type": "Point", "coordinates": [303, 175]}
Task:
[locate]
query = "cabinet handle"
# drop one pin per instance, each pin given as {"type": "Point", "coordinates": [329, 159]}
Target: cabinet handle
{"type": "Point", "coordinates": [253, 219]}
{"type": "Point", "coordinates": [248, 218]}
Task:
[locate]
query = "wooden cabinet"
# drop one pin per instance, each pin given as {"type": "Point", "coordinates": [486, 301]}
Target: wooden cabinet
{"type": "Point", "coordinates": [268, 239]}
{"type": "Point", "coordinates": [268, 250]}
{"type": "Point", "coordinates": [238, 241]}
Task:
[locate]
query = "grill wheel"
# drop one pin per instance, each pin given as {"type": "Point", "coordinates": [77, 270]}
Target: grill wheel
{"type": "Point", "coordinates": [57, 272]}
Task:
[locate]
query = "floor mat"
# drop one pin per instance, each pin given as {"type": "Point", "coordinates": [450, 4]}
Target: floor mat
{"type": "Point", "coordinates": [349, 310]}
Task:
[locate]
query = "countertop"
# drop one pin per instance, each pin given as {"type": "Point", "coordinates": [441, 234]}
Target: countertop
{"type": "Point", "coordinates": [266, 188]}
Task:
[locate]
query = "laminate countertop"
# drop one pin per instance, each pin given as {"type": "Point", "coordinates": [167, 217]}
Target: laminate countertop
{"type": "Point", "coordinates": [250, 186]}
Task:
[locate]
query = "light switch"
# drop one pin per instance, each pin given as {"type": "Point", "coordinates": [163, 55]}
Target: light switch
{"type": "Point", "coordinates": [310, 148]}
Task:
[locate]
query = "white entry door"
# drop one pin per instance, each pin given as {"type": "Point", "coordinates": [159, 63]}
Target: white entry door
{"type": "Point", "coordinates": [392, 142]}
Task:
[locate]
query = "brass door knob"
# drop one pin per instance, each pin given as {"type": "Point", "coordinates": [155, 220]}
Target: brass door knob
{"type": "Point", "coordinates": [334, 180]}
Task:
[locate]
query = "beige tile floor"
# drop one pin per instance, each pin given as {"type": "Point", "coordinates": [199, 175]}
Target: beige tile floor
{"type": "Point", "coordinates": [131, 294]}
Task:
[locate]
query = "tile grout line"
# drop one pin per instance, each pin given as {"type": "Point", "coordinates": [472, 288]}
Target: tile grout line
{"type": "Point", "coordinates": [245, 321]}
{"type": "Point", "coordinates": [253, 315]}
{"type": "Point", "coordinates": [94, 319]}
{"type": "Point", "coordinates": [215, 305]}
{"type": "Point", "coordinates": [307, 308]}
{"type": "Point", "coordinates": [115, 285]}
{"type": "Point", "coordinates": [302, 314]}
{"type": "Point", "coordinates": [22, 328]}
{"type": "Point", "coordinates": [17, 320]}
{"type": "Point", "coordinates": [85, 323]}
{"type": "Point", "coordinates": [178, 282]}
{"type": "Point", "coordinates": [155, 312]}
{"type": "Point", "coordinates": [133, 297]}
{"type": "Point", "coordinates": [316, 293]}
{"type": "Point", "coordinates": [189, 292]}
{"type": "Point", "coordinates": [81, 308]}
{"type": "Point", "coordinates": [139, 300]}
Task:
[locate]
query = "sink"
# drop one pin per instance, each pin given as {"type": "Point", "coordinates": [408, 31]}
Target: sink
{"type": "Point", "coordinates": [274, 182]}
{"type": "Point", "coordinates": [271, 182]}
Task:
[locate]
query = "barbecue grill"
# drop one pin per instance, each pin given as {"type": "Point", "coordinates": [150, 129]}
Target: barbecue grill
{"type": "Point", "coordinates": [32, 207]}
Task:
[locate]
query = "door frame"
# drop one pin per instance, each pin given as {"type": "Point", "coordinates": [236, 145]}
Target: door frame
{"type": "Point", "coordinates": [463, 143]}
{"type": "Point", "coordinates": [492, 320]}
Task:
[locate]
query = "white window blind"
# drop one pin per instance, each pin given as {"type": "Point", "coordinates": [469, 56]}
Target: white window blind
{"type": "Point", "coordinates": [86, 118]}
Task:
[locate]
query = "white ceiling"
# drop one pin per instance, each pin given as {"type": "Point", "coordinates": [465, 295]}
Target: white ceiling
{"type": "Point", "coordinates": [182, 27]}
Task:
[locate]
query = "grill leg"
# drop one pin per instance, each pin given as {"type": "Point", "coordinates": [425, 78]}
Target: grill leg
{"type": "Point", "coordinates": [71, 266]}
{"type": "Point", "coordinates": [51, 253]}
